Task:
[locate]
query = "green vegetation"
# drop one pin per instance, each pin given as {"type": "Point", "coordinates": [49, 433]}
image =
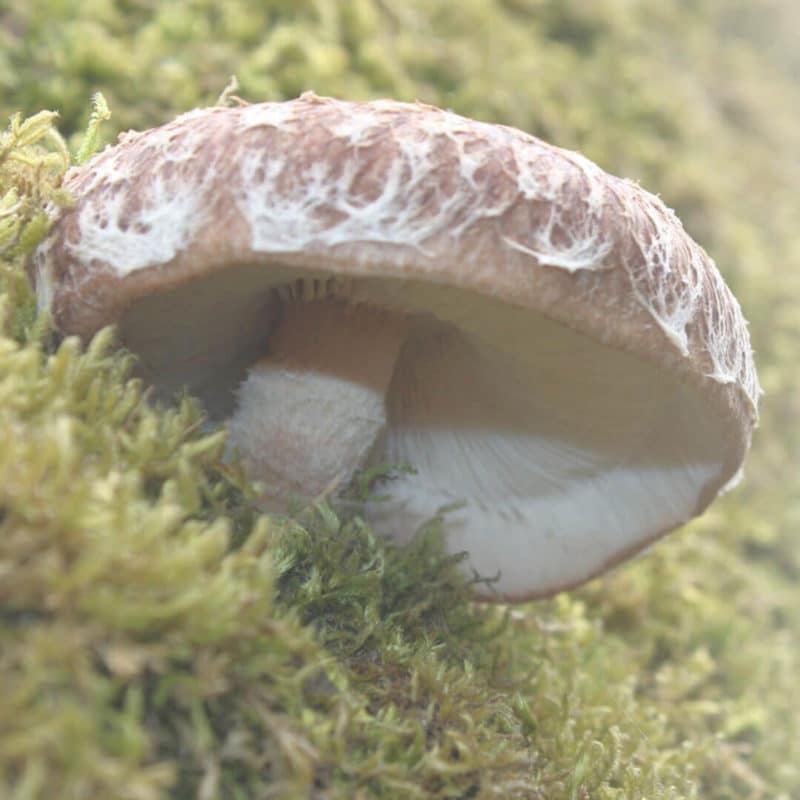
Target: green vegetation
{"type": "Point", "coordinates": [158, 639]}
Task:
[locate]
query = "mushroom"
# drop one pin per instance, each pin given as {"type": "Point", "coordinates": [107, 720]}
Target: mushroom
{"type": "Point", "coordinates": [351, 284]}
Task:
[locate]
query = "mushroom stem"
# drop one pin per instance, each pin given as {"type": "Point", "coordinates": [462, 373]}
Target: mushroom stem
{"type": "Point", "coordinates": [311, 410]}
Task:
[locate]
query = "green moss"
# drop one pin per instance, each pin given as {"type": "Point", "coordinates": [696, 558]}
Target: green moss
{"type": "Point", "coordinates": [159, 639]}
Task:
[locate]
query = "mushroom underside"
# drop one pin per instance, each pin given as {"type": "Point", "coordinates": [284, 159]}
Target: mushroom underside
{"type": "Point", "coordinates": [565, 454]}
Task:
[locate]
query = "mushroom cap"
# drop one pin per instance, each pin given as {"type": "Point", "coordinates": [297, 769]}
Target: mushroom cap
{"type": "Point", "coordinates": [579, 373]}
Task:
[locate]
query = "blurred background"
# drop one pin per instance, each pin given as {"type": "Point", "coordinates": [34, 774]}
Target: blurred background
{"type": "Point", "coordinates": [698, 100]}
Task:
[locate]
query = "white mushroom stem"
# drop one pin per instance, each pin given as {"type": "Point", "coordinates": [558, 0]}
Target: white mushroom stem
{"type": "Point", "coordinates": [310, 411]}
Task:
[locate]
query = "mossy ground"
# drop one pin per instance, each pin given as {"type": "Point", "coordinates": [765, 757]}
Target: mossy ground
{"type": "Point", "coordinates": [158, 639]}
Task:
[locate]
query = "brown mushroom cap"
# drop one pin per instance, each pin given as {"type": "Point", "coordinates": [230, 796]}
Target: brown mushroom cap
{"type": "Point", "coordinates": [574, 368]}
